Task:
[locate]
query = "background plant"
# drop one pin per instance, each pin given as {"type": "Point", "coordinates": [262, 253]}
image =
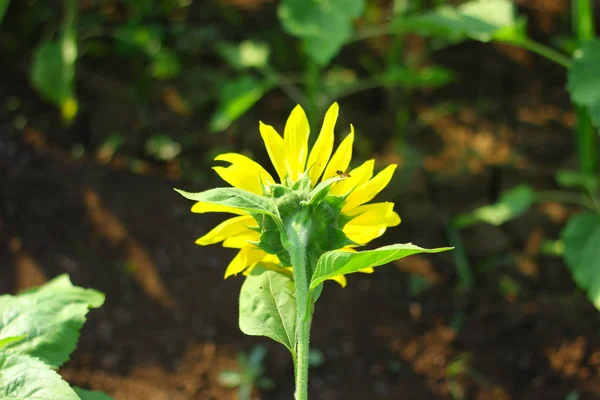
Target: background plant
{"type": "Point", "coordinates": [39, 329]}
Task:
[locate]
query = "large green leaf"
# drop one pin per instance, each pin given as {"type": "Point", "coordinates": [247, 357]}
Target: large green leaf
{"type": "Point", "coordinates": [53, 70]}
{"type": "Point", "coordinates": [236, 198]}
{"type": "Point", "coordinates": [512, 204]}
{"type": "Point", "coordinates": [49, 317]}
{"type": "Point", "coordinates": [236, 98]}
{"type": "Point", "coordinates": [24, 377]}
{"type": "Point", "coordinates": [91, 395]}
{"type": "Point", "coordinates": [323, 25]}
{"type": "Point", "coordinates": [3, 7]}
{"type": "Point", "coordinates": [334, 263]}
{"type": "Point", "coordinates": [581, 237]}
{"type": "Point", "coordinates": [268, 306]}
{"type": "Point", "coordinates": [584, 79]}
{"type": "Point", "coordinates": [481, 20]}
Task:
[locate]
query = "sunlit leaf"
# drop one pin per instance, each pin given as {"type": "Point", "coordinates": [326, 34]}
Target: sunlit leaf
{"type": "Point", "coordinates": [247, 54]}
{"type": "Point", "coordinates": [581, 237]}
{"type": "Point", "coordinates": [11, 339]}
{"type": "Point", "coordinates": [91, 395]}
{"type": "Point", "coordinates": [512, 204]}
{"type": "Point", "coordinates": [25, 377]}
{"type": "Point", "coordinates": [334, 263]}
{"type": "Point", "coordinates": [237, 97]}
{"type": "Point", "coordinates": [481, 20]}
{"type": "Point", "coordinates": [268, 306]}
{"type": "Point", "coordinates": [237, 198]}
{"type": "Point", "coordinates": [49, 317]}
{"type": "Point", "coordinates": [584, 79]}
{"type": "Point", "coordinates": [323, 25]}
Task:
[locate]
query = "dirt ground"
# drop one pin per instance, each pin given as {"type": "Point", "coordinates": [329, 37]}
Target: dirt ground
{"type": "Point", "coordinates": [169, 325]}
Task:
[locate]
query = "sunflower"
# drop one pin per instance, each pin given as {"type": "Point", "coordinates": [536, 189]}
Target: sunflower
{"type": "Point", "coordinates": [292, 162]}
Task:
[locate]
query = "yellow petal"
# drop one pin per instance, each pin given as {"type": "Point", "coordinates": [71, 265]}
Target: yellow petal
{"type": "Point", "coordinates": [368, 270]}
{"type": "Point", "coordinates": [243, 173]}
{"type": "Point", "coordinates": [367, 191]}
{"type": "Point", "coordinates": [363, 234]}
{"type": "Point", "coordinates": [242, 240]}
{"type": "Point", "coordinates": [358, 176]}
{"type": "Point", "coordinates": [321, 151]}
{"type": "Point", "coordinates": [202, 208]}
{"type": "Point", "coordinates": [295, 138]}
{"type": "Point", "coordinates": [341, 279]}
{"type": "Point", "coordinates": [229, 228]}
{"type": "Point", "coordinates": [374, 214]}
{"type": "Point", "coordinates": [275, 148]}
{"type": "Point", "coordinates": [245, 258]}
{"type": "Point", "coordinates": [342, 156]}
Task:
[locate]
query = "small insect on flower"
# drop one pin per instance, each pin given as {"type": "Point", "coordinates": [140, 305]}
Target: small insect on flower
{"type": "Point", "coordinates": [342, 174]}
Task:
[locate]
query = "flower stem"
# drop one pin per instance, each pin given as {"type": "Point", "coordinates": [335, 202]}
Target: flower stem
{"type": "Point", "coordinates": [302, 357]}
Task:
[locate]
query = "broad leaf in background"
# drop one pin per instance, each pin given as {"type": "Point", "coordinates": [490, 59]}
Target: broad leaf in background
{"type": "Point", "coordinates": [323, 25]}
{"type": "Point", "coordinates": [26, 377]}
{"type": "Point", "coordinates": [237, 96]}
{"type": "Point", "coordinates": [584, 79]}
{"type": "Point", "coordinates": [3, 7]}
{"type": "Point", "coordinates": [49, 317]}
{"type": "Point", "coordinates": [53, 72]}
{"type": "Point", "coordinates": [91, 395]}
{"type": "Point", "coordinates": [481, 20]}
{"type": "Point", "coordinates": [581, 237]}
{"type": "Point", "coordinates": [512, 204]}
{"type": "Point", "coordinates": [334, 263]}
{"type": "Point", "coordinates": [268, 306]}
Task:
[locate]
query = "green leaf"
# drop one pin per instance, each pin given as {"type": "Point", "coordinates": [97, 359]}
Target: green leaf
{"type": "Point", "coordinates": [581, 237]}
{"type": "Point", "coordinates": [165, 64]}
{"type": "Point", "coordinates": [481, 20]}
{"type": "Point", "coordinates": [584, 79]}
{"type": "Point", "coordinates": [428, 76]}
{"type": "Point", "coordinates": [50, 318]}
{"type": "Point", "coordinates": [25, 377]}
{"type": "Point", "coordinates": [53, 70]}
{"type": "Point", "coordinates": [268, 307]}
{"type": "Point", "coordinates": [512, 204]}
{"type": "Point", "coordinates": [247, 54]}
{"type": "Point", "coordinates": [323, 25]}
{"type": "Point", "coordinates": [91, 395]}
{"type": "Point", "coordinates": [11, 339]}
{"type": "Point", "coordinates": [236, 198]}
{"type": "Point", "coordinates": [236, 98]}
{"type": "Point", "coordinates": [3, 7]}
{"type": "Point", "coordinates": [579, 180]}
{"type": "Point", "coordinates": [334, 263]}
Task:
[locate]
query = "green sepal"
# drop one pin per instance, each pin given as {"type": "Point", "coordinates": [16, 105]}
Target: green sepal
{"type": "Point", "coordinates": [320, 191]}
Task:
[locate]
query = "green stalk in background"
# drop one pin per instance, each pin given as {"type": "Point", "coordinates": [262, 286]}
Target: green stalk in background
{"type": "Point", "coordinates": [587, 141]}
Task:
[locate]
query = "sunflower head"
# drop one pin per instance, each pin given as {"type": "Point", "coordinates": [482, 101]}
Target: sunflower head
{"type": "Point", "coordinates": [314, 201]}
